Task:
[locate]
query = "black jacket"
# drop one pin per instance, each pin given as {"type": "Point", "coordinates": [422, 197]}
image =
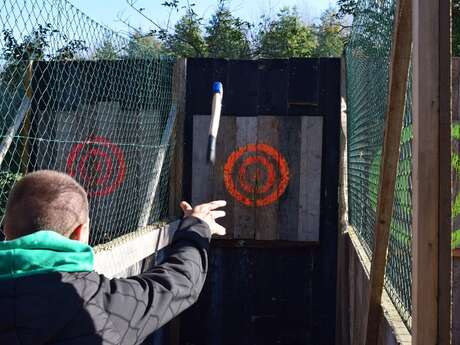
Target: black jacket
{"type": "Point", "coordinates": [90, 309]}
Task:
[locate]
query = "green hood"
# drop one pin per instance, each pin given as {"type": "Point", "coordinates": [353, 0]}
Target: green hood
{"type": "Point", "coordinates": [44, 252]}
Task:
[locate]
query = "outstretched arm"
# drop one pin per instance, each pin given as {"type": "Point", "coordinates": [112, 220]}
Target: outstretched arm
{"type": "Point", "coordinates": [139, 305]}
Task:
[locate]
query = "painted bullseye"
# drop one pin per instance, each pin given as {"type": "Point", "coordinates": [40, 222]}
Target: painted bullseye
{"type": "Point", "coordinates": [98, 164]}
{"type": "Point", "coordinates": [253, 186]}
{"type": "Point", "coordinates": [256, 175]}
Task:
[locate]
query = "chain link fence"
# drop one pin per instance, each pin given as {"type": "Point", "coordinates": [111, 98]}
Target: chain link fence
{"type": "Point", "coordinates": [79, 98]}
{"type": "Point", "coordinates": [367, 61]}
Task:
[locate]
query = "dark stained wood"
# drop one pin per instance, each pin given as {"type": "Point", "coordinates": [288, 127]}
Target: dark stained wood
{"type": "Point", "coordinates": [234, 243]}
{"type": "Point", "coordinates": [399, 70]}
{"type": "Point", "coordinates": [303, 97]}
{"type": "Point", "coordinates": [248, 299]}
{"type": "Point", "coordinates": [175, 179]}
{"type": "Point", "coordinates": [241, 94]}
{"type": "Point", "coordinates": [324, 287]}
{"type": "Point", "coordinates": [290, 133]}
{"type": "Point", "coordinates": [244, 217]}
{"type": "Point", "coordinates": [273, 87]}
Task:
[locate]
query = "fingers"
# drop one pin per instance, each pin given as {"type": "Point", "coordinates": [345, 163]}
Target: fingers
{"type": "Point", "coordinates": [185, 206]}
{"type": "Point", "coordinates": [218, 214]}
{"type": "Point", "coordinates": [213, 205]}
{"type": "Point", "coordinates": [218, 229]}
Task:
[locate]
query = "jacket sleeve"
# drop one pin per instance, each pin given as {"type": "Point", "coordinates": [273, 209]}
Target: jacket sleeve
{"type": "Point", "coordinates": [139, 305]}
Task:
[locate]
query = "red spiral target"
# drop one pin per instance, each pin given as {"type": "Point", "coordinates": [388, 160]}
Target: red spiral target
{"type": "Point", "coordinates": [98, 164]}
{"type": "Point", "coordinates": [256, 175]}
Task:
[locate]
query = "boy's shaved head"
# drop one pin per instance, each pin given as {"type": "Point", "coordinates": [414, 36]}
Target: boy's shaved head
{"type": "Point", "coordinates": [45, 200]}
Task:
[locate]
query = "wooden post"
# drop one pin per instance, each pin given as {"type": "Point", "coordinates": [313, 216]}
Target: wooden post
{"type": "Point", "coordinates": [25, 131]}
{"type": "Point", "coordinates": [175, 178]}
{"type": "Point", "coordinates": [399, 70]}
{"type": "Point", "coordinates": [431, 198]}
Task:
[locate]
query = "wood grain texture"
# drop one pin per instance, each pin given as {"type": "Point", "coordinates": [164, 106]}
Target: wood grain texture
{"type": "Point", "coordinates": [268, 132]}
{"type": "Point", "coordinates": [244, 216]}
{"type": "Point", "coordinates": [226, 143]}
{"type": "Point", "coordinates": [429, 122]}
{"type": "Point", "coordinates": [445, 181]}
{"type": "Point", "coordinates": [202, 173]}
{"type": "Point", "coordinates": [297, 141]}
{"type": "Point", "coordinates": [310, 178]}
{"type": "Point", "coordinates": [175, 179]}
{"type": "Point", "coordinates": [290, 133]}
{"type": "Point", "coordinates": [399, 70]}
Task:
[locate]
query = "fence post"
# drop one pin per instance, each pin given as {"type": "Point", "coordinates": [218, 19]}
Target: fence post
{"type": "Point", "coordinates": [431, 220]}
{"type": "Point", "coordinates": [399, 70]}
{"type": "Point", "coordinates": [21, 114]}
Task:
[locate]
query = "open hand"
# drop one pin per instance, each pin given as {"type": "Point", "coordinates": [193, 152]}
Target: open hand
{"type": "Point", "coordinates": [208, 213]}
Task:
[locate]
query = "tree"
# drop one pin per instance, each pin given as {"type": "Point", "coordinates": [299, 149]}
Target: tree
{"type": "Point", "coordinates": [286, 36]}
{"type": "Point", "coordinates": [35, 46]}
{"type": "Point", "coordinates": [142, 46]}
{"type": "Point", "coordinates": [226, 35]}
{"type": "Point", "coordinates": [347, 7]}
{"type": "Point", "coordinates": [106, 52]}
{"type": "Point", "coordinates": [187, 39]}
{"type": "Point", "coordinates": [330, 38]}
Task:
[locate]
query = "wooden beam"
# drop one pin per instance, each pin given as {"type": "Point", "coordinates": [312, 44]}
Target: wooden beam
{"type": "Point", "coordinates": [176, 172]}
{"type": "Point", "coordinates": [125, 251]}
{"type": "Point", "coordinates": [431, 273]}
{"type": "Point", "coordinates": [399, 70]}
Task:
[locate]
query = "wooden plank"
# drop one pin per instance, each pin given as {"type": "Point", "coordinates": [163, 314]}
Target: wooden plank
{"type": "Point", "coordinates": [233, 243]}
{"type": "Point", "coordinates": [445, 180]}
{"type": "Point", "coordinates": [115, 256]}
{"type": "Point", "coordinates": [201, 172]}
{"type": "Point", "coordinates": [175, 179]}
{"type": "Point", "coordinates": [226, 144]}
{"type": "Point", "coordinates": [245, 216]}
{"type": "Point", "coordinates": [431, 173]}
{"type": "Point", "coordinates": [399, 67]}
{"type": "Point", "coordinates": [268, 132]}
{"type": "Point", "coordinates": [310, 178]}
{"type": "Point", "coordinates": [289, 147]}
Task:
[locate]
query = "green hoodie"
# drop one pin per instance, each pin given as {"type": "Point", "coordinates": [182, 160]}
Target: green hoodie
{"type": "Point", "coordinates": [44, 252]}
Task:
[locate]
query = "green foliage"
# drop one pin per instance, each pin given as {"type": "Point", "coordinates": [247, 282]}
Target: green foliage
{"type": "Point", "coordinates": [7, 180]}
{"type": "Point", "coordinates": [36, 46]}
{"type": "Point", "coordinates": [347, 7]}
{"type": "Point", "coordinates": [226, 35]}
{"type": "Point", "coordinates": [142, 46]}
{"type": "Point", "coordinates": [286, 36]}
{"type": "Point", "coordinates": [330, 38]}
{"type": "Point", "coordinates": [187, 39]}
{"type": "Point", "coordinates": [106, 52]}
{"type": "Point", "coordinates": [456, 27]}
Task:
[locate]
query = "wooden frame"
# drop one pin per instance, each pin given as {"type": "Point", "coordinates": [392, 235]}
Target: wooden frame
{"type": "Point", "coordinates": [399, 69]}
{"type": "Point", "coordinates": [431, 274]}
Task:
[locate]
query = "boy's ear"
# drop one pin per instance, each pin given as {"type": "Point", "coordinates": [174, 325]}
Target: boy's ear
{"type": "Point", "coordinates": [78, 233]}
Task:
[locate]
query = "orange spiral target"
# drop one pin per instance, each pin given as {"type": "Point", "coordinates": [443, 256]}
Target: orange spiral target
{"type": "Point", "coordinates": [256, 175]}
{"type": "Point", "coordinates": [98, 164]}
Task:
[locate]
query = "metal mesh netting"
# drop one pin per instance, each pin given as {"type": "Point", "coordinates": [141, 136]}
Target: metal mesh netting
{"type": "Point", "coordinates": [78, 98]}
{"type": "Point", "coordinates": [368, 58]}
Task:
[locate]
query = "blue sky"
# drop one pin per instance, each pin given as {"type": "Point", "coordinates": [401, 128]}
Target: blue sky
{"type": "Point", "coordinates": [106, 12]}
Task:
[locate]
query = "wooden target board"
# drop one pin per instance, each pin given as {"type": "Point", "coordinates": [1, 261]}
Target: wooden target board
{"type": "Point", "coordinates": [268, 168]}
